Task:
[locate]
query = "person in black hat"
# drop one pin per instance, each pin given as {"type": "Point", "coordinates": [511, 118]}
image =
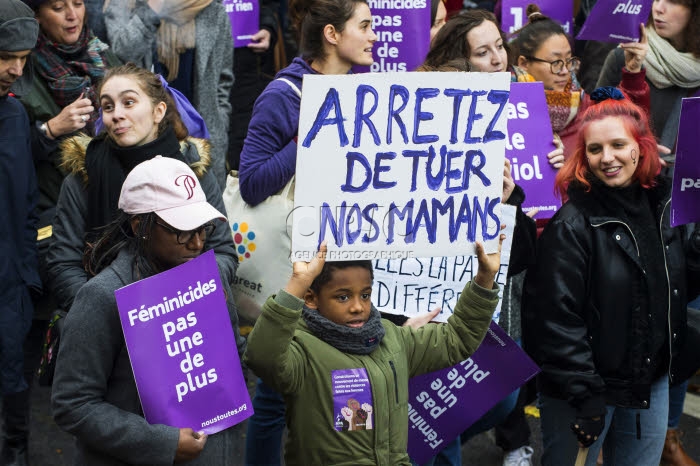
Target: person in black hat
{"type": "Point", "coordinates": [18, 194]}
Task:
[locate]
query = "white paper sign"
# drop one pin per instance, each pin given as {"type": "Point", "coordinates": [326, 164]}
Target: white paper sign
{"type": "Point", "coordinates": [393, 165]}
{"type": "Point", "coordinates": [415, 286]}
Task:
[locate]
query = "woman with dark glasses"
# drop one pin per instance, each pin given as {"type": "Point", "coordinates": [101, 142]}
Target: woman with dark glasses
{"type": "Point", "coordinates": [542, 52]}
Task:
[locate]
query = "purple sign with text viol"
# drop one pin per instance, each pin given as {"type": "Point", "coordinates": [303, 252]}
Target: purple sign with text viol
{"type": "Point", "coordinates": [513, 13]}
{"type": "Point", "coordinates": [529, 141]}
{"type": "Point", "coordinates": [615, 21]}
{"type": "Point", "coordinates": [403, 35]}
{"type": "Point", "coordinates": [245, 20]}
{"type": "Point", "coordinates": [442, 404]}
{"type": "Point", "coordinates": [685, 197]}
{"type": "Point", "coordinates": [182, 349]}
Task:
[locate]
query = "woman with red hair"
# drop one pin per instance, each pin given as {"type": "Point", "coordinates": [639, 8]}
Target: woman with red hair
{"type": "Point", "coordinates": [605, 305]}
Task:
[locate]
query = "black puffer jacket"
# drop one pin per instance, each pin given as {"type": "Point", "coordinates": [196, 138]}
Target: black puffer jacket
{"type": "Point", "coordinates": [587, 322]}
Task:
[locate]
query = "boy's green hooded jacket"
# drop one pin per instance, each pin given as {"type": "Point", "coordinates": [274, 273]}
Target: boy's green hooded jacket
{"type": "Point", "coordinates": [289, 358]}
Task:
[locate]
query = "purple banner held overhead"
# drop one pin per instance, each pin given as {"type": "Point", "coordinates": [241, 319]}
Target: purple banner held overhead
{"type": "Point", "coordinates": [442, 404]}
{"type": "Point", "coordinates": [530, 139]}
{"type": "Point", "coordinates": [685, 197]}
{"type": "Point", "coordinates": [403, 35]}
{"type": "Point", "coordinates": [514, 17]}
{"type": "Point", "coordinates": [182, 349]}
{"type": "Point", "coordinates": [245, 20]}
{"type": "Point", "coordinates": [615, 21]}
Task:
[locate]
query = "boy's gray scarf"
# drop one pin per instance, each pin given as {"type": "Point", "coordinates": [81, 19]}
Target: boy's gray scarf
{"type": "Point", "coordinates": [361, 340]}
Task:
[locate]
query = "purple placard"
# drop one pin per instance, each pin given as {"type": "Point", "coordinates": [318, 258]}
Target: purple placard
{"type": "Point", "coordinates": [183, 354]}
{"type": "Point", "coordinates": [245, 20]}
{"type": "Point", "coordinates": [529, 141]}
{"type": "Point", "coordinates": [615, 21]}
{"type": "Point", "coordinates": [403, 35]}
{"type": "Point", "coordinates": [442, 404]}
{"type": "Point", "coordinates": [513, 15]}
{"type": "Point", "coordinates": [685, 197]}
{"type": "Point", "coordinates": [352, 400]}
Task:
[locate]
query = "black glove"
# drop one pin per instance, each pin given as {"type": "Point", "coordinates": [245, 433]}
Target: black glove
{"type": "Point", "coordinates": [588, 429]}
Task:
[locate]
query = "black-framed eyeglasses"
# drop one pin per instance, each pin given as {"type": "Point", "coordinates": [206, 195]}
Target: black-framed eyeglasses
{"type": "Point", "coordinates": [557, 66]}
{"type": "Point", "coordinates": [184, 237]}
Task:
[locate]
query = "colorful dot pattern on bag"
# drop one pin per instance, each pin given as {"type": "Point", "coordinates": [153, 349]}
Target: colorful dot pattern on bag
{"type": "Point", "coordinates": [243, 238]}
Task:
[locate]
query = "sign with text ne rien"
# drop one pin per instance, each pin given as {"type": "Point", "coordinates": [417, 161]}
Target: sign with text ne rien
{"type": "Point", "coordinates": [685, 197]}
{"type": "Point", "coordinates": [400, 164]}
{"type": "Point", "coordinates": [182, 348]}
{"type": "Point", "coordinates": [244, 16]}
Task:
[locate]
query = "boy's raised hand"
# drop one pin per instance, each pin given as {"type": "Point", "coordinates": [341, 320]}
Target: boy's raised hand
{"type": "Point", "coordinates": [304, 273]}
{"type": "Point", "coordinates": [489, 264]}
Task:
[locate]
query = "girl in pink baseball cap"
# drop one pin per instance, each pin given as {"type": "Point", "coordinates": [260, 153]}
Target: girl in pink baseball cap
{"type": "Point", "coordinates": [164, 220]}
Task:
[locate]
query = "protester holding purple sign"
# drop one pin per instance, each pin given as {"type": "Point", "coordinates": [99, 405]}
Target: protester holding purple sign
{"type": "Point", "coordinates": [474, 35]}
{"type": "Point", "coordinates": [321, 343]}
{"type": "Point", "coordinates": [542, 52]}
{"type": "Point", "coordinates": [163, 221]}
{"type": "Point", "coordinates": [482, 46]}
{"type": "Point", "coordinates": [672, 64]}
{"type": "Point", "coordinates": [605, 304]}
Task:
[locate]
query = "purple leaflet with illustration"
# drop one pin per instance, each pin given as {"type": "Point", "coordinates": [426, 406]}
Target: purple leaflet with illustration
{"type": "Point", "coordinates": [245, 20]}
{"type": "Point", "coordinates": [685, 197]}
{"type": "Point", "coordinates": [182, 348]}
{"type": "Point", "coordinates": [615, 21]}
{"type": "Point", "coordinates": [529, 141]}
{"type": "Point", "coordinates": [352, 400]}
{"type": "Point", "coordinates": [513, 15]}
{"type": "Point", "coordinates": [442, 404]}
{"type": "Point", "coordinates": [403, 35]}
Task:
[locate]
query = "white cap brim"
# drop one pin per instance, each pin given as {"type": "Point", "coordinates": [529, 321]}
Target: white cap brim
{"type": "Point", "coordinates": [190, 216]}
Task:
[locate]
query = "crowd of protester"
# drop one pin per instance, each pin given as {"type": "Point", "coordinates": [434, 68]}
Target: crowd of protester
{"type": "Point", "coordinates": [104, 101]}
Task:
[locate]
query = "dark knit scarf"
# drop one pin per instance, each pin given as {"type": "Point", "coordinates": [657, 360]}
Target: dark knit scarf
{"type": "Point", "coordinates": [71, 70]}
{"type": "Point", "coordinates": [631, 204]}
{"type": "Point", "coordinates": [107, 165]}
{"type": "Point", "coordinates": [361, 340]}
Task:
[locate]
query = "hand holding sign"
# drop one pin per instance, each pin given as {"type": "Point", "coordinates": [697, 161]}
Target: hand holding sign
{"type": "Point", "coordinates": [489, 264]}
{"type": "Point", "coordinates": [189, 445]}
{"type": "Point", "coordinates": [260, 41]}
{"type": "Point", "coordinates": [304, 273]}
{"type": "Point", "coordinates": [635, 52]}
{"type": "Point", "coordinates": [556, 157]}
{"type": "Point", "coordinates": [508, 183]}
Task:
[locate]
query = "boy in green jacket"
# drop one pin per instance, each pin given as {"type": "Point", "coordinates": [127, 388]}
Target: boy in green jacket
{"type": "Point", "coordinates": [343, 371]}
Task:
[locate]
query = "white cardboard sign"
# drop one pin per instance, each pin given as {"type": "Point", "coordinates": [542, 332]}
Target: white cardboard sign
{"type": "Point", "coordinates": [393, 165]}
